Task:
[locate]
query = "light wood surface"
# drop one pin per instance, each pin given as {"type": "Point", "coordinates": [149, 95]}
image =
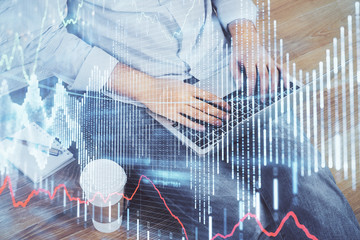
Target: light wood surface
{"type": "Point", "coordinates": [308, 28]}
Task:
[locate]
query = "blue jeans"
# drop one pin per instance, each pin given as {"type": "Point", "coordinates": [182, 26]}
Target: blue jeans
{"type": "Point", "coordinates": [221, 186]}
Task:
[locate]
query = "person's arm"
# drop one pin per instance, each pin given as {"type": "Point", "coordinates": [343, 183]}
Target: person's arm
{"type": "Point", "coordinates": [49, 49]}
{"type": "Point", "coordinates": [88, 68]}
{"type": "Point", "coordinates": [171, 99]}
{"type": "Point", "coordinates": [80, 65]}
{"type": "Point", "coordinates": [238, 17]}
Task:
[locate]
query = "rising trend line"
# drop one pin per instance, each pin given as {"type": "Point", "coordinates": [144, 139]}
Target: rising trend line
{"type": "Point", "coordinates": [7, 182]}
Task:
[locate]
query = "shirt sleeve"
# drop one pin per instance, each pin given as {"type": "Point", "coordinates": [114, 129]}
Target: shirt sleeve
{"type": "Point", "coordinates": [80, 65]}
{"type": "Point", "coordinates": [47, 45]}
{"type": "Point", "coordinates": [95, 71]}
{"type": "Point", "coordinates": [231, 10]}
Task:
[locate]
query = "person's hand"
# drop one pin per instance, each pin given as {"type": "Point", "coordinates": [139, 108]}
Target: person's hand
{"type": "Point", "coordinates": [174, 100]}
{"type": "Point", "coordinates": [252, 56]}
{"type": "Point", "coordinates": [171, 99]}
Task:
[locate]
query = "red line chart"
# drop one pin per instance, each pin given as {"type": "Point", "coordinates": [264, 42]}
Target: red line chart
{"type": "Point", "coordinates": [7, 183]}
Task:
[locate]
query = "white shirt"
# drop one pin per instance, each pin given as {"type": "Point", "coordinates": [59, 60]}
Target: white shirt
{"type": "Point", "coordinates": [163, 38]}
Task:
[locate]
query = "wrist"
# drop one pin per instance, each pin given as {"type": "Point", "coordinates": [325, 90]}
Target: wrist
{"type": "Point", "coordinates": [129, 82]}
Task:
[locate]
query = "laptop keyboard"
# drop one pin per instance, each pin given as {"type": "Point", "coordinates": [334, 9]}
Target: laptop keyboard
{"type": "Point", "coordinates": [241, 108]}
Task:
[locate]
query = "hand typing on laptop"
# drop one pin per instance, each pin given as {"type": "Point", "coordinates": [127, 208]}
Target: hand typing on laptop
{"type": "Point", "coordinates": [184, 103]}
{"type": "Point", "coordinates": [171, 99]}
{"type": "Point", "coordinates": [252, 56]}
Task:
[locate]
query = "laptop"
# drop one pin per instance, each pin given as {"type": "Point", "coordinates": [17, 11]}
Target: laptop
{"type": "Point", "coordinates": [244, 110]}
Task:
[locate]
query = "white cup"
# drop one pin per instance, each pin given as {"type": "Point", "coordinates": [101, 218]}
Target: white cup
{"type": "Point", "coordinates": [103, 182]}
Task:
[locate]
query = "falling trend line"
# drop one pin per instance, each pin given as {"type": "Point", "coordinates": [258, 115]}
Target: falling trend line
{"type": "Point", "coordinates": [7, 182]}
{"type": "Point", "coordinates": [34, 192]}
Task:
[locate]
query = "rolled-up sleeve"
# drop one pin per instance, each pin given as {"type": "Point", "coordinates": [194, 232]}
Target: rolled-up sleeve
{"type": "Point", "coordinates": [80, 65]}
{"type": "Point", "coordinates": [231, 10]}
{"type": "Point", "coordinates": [95, 71]}
{"type": "Point", "coordinates": [49, 49]}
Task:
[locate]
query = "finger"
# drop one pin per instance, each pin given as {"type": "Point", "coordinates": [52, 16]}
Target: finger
{"type": "Point", "coordinates": [284, 75]}
{"type": "Point", "coordinates": [205, 95]}
{"type": "Point", "coordinates": [207, 108]}
{"type": "Point", "coordinates": [199, 115]}
{"type": "Point", "coordinates": [236, 73]}
{"type": "Point", "coordinates": [188, 123]}
{"type": "Point", "coordinates": [272, 72]}
{"type": "Point", "coordinates": [251, 78]}
{"type": "Point", "coordinates": [275, 78]}
{"type": "Point", "coordinates": [264, 81]}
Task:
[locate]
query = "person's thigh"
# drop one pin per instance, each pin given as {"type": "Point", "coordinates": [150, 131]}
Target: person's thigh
{"type": "Point", "coordinates": [191, 185]}
{"type": "Point", "coordinates": [195, 192]}
{"type": "Point", "coordinates": [128, 135]}
{"type": "Point", "coordinates": [305, 188]}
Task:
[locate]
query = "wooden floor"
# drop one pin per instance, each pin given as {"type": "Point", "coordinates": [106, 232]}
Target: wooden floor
{"type": "Point", "coordinates": [307, 28]}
